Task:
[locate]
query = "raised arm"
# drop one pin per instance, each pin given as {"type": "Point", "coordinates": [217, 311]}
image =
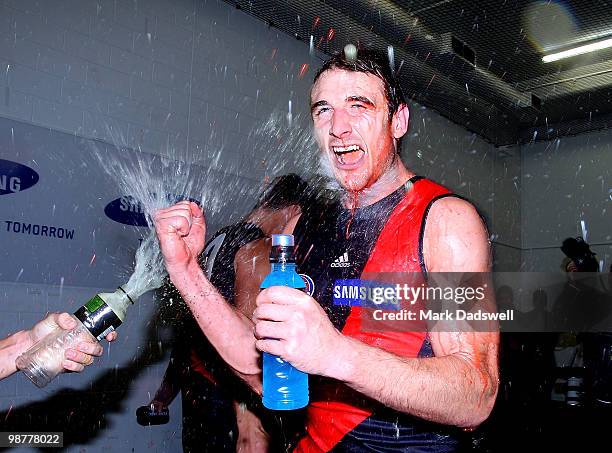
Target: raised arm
{"type": "Point", "coordinates": [181, 230]}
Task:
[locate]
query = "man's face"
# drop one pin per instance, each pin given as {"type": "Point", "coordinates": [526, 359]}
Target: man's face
{"type": "Point", "coordinates": [352, 127]}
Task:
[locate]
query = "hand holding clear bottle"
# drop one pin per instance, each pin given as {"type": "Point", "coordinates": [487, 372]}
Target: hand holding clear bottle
{"type": "Point", "coordinates": [70, 343]}
{"type": "Point", "coordinates": [76, 358]}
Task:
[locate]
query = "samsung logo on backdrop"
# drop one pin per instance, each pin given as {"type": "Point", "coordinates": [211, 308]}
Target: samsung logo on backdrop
{"type": "Point", "coordinates": [15, 177]}
{"type": "Point", "coordinates": [129, 211]}
{"type": "Point", "coordinates": [126, 210]}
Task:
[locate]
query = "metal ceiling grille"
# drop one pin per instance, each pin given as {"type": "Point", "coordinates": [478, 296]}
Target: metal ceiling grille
{"type": "Point", "coordinates": [476, 62]}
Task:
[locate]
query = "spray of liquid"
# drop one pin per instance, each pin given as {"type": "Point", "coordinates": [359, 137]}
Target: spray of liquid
{"type": "Point", "coordinates": [285, 144]}
{"type": "Point", "coordinates": [280, 144]}
{"type": "Point", "coordinates": [149, 271]}
{"type": "Point", "coordinates": [391, 56]}
{"type": "Point", "coordinates": [151, 182]}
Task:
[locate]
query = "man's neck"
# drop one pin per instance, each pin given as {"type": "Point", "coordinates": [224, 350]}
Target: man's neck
{"type": "Point", "coordinates": [388, 183]}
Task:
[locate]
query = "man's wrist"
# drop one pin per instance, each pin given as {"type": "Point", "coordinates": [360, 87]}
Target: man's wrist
{"type": "Point", "coordinates": [162, 397]}
{"type": "Point", "coordinates": [13, 347]}
{"type": "Point", "coordinates": [342, 365]}
{"type": "Point", "coordinates": [183, 272]}
{"type": "Point", "coordinates": [23, 341]}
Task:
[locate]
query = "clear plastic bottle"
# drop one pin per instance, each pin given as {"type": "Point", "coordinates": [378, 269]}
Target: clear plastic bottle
{"type": "Point", "coordinates": [284, 386]}
{"type": "Point", "coordinates": [101, 315]}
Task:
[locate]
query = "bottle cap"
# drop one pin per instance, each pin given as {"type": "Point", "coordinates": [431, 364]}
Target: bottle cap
{"type": "Point", "coordinates": [284, 240]}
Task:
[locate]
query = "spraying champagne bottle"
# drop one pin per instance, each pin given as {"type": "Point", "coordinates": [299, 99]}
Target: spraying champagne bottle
{"type": "Point", "coordinates": [284, 387]}
{"type": "Point", "coordinates": [101, 315]}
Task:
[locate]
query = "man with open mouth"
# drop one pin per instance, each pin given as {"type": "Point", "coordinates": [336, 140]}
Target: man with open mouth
{"type": "Point", "coordinates": [409, 390]}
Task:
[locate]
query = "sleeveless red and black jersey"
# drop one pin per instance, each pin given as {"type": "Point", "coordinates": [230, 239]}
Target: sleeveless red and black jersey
{"type": "Point", "coordinates": [335, 244]}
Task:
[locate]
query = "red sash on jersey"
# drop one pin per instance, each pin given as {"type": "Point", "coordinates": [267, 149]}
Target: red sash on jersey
{"type": "Point", "coordinates": [335, 409]}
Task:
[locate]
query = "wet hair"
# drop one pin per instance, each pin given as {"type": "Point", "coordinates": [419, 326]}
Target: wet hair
{"type": "Point", "coordinates": [370, 62]}
{"type": "Point", "coordinates": [283, 191]}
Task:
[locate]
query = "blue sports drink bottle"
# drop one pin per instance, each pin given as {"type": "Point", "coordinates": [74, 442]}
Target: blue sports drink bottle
{"type": "Point", "coordinates": [284, 387]}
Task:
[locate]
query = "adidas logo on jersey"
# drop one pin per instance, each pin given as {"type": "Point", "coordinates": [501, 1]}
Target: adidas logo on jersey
{"type": "Point", "coordinates": [341, 261]}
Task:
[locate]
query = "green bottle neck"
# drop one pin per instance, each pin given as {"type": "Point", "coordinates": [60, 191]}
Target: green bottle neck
{"type": "Point", "coordinates": [119, 302]}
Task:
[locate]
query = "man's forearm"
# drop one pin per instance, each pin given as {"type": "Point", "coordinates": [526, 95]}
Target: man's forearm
{"type": "Point", "coordinates": [10, 349]}
{"type": "Point", "coordinates": [170, 385]}
{"type": "Point", "coordinates": [228, 330]}
{"type": "Point", "coordinates": [449, 390]}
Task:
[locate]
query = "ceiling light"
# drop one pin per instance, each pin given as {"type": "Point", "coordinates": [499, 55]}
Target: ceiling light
{"type": "Point", "coordinates": [586, 48]}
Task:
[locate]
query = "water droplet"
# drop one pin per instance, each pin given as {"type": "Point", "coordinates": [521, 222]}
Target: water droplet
{"type": "Point", "coordinates": [391, 57]}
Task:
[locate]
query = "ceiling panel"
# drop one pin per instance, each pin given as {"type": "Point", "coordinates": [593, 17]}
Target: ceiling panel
{"type": "Point", "coordinates": [509, 38]}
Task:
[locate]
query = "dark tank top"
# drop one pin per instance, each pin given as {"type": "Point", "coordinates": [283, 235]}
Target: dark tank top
{"type": "Point", "coordinates": [217, 259]}
{"type": "Point", "coordinates": [332, 244]}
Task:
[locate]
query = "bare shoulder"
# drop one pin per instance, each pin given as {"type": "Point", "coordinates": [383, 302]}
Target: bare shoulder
{"type": "Point", "coordinates": [455, 212]}
{"type": "Point", "coordinates": [254, 250]}
{"type": "Point", "coordinates": [291, 224]}
{"type": "Point", "coordinates": [455, 238]}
